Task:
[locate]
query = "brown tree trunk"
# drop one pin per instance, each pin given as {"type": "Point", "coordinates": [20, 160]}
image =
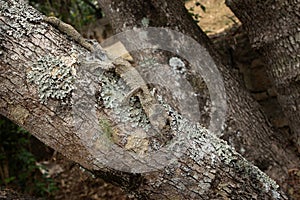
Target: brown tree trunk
{"type": "Point", "coordinates": [248, 131]}
{"type": "Point", "coordinates": [209, 169]}
{"type": "Point", "coordinates": [273, 28]}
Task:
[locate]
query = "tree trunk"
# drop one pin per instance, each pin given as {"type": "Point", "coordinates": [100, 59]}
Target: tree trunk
{"type": "Point", "coordinates": [208, 169]}
{"type": "Point", "coordinates": [273, 28]}
{"type": "Point", "coordinates": [247, 129]}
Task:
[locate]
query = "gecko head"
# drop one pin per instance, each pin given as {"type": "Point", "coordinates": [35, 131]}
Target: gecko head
{"type": "Point", "coordinates": [159, 118]}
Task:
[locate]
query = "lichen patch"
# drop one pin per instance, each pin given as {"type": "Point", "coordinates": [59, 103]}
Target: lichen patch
{"type": "Point", "coordinates": [54, 77]}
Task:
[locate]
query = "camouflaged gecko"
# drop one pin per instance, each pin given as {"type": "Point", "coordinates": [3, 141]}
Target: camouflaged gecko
{"type": "Point", "coordinates": [70, 31]}
{"type": "Point", "coordinates": [154, 111]}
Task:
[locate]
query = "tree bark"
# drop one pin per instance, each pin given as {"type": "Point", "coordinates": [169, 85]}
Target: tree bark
{"type": "Point", "coordinates": [247, 129]}
{"type": "Point", "coordinates": [273, 29]}
{"type": "Point", "coordinates": [209, 169]}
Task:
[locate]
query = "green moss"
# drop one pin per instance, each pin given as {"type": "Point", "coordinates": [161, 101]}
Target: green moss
{"type": "Point", "coordinates": [106, 128]}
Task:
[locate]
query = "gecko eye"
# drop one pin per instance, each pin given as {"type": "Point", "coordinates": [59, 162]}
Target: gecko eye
{"type": "Point", "coordinates": [158, 117]}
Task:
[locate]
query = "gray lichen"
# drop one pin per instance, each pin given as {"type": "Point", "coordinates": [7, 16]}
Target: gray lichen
{"type": "Point", "coordinates": [114, 97]}
{"type": "Point", "coordinates": [54, 78]}
{"type": "Point", "coordinates": [145, 22]}
{"type": "Point", "coordinates": [12, 9]}
{"type": "Point", "coordinates": [177, 65]}
{"type": "Point", "coordinates": [234, 163]}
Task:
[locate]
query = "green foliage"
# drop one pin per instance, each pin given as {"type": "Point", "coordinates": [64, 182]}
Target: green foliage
{"type": "Point", "coordinates": [18, 167]}
{"type": "Point", "coordinates": [75, 12]}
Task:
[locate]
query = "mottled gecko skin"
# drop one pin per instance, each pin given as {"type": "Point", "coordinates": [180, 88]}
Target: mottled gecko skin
{"type": "Point", "coordinates": [70, 31]}
{"type": "Point", "coordinates": [154, 111]}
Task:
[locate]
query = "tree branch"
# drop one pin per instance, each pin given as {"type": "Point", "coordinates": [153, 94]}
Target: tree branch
{"type": "Point", "coordinates": [209, 169]}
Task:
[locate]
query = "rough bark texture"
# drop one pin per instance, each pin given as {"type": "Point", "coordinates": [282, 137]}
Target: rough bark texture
{"type": "Point", "coordinates": [247, 128]}
{"type": "Point", "coordinates": [273, 28]}
{"type": "Point", "coordinates": [7, 194]}
{"type": "Point", "coordinates": [209, 169]}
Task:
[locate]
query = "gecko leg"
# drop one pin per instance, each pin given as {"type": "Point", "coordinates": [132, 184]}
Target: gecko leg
{"type": "Point", "coordinates": [132, 93]}
{"type": "Point", "coordinates": [155, 112]}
